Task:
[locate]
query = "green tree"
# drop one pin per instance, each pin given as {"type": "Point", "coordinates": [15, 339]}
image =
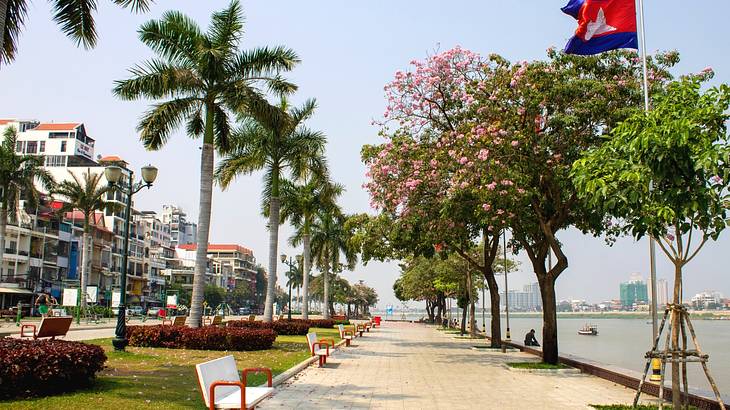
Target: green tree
{"type": "Point", "coordinates": [204, 78]}
{"type": "Point", "coordinates": [76, 18]}
{"type": "Point", "coordinates": [299, 203]}
{"type": "Point", "coordinates": [88, 195]}
{"type": "Point", "coordinates": [18, 177]}
{"type": "Point", "coordinates": [681, 148]}
{"type": "Point", "coordinates": [214, 295]}
{"type": "Point", "coordinates": [331, 247]}
{"type": "Point", "coordinates": [240, 295]}
{"type": "Point", "coordinates": [274, 145]}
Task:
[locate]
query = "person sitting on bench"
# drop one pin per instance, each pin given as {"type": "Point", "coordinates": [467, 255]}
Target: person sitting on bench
{"type": "Point", "coordinates": [530, 338]}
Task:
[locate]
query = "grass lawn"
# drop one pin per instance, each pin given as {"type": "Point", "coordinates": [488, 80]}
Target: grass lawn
{"type": "Point", "coordinates": [156, 378]}
{"type": "Point", "coordinates": [536, 365]}
{"type": "Point", "coordinates": [628, 407]}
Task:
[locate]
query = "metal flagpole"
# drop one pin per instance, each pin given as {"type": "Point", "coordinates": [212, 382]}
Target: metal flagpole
{"type": "Point", "coordinates": [652, 244]}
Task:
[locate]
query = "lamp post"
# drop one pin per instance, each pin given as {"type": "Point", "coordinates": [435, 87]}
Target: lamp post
{"type": "Point", "coordinates": [289, 263]}
{"type": "Point", "coordinates": [506, 288]}
{"type": "Point", "coordinates": [114, 176]}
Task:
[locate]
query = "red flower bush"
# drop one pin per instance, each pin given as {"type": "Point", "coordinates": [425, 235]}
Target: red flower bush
{"type": "Point", "coordinates": [294, 327]}
{"type": "Point", "coordinates": [202, 338]}
{"type": "Point", "coordinates": [43, 367]}
{"type": "Point", "coordinates": [325, 323]}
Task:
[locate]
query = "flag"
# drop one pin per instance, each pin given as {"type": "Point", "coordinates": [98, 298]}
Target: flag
{"type": "Point", "coordinates": [603, 25]}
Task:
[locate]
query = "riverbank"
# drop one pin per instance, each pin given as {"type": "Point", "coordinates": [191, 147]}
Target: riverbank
{"type": "Point", "coordinates": [694, 314]}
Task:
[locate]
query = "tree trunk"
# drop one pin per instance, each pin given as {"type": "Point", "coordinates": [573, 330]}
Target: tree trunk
{"type": "Point", "coordinates": [472, 311]}
{"type": "Point", "coordinates": [204, 210]}
{"type": "Point", "coordinates": [85, 264]}
{"type": "Point", "coordinates": [463, 321]}
{"type": "Point", "coordinates": [549, 321]}
{"type": "Point", "coordinates": [3, 212]}
{"type": "Point", "coordinates": [273, 245]}
{"type": "Point", "coordinates": [439, 311]}
{"type": "Point", "coordinates": [495, 322]}
{"type": "Point", "coordinates": [326, 283]}
{"type": "Point", "coordinates": [677, 300]}
{"type": "Point", "coordinates": [307, 268]}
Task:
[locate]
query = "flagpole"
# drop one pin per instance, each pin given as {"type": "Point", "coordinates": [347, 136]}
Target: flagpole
{"type": "Point", "coordinates": [652, 244]}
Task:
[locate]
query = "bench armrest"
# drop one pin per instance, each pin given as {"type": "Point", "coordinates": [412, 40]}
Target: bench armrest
{"type": "Point", "coordinates": [27, 326]}
{"type": "Point", "coordinates": [346, 332]}
{"type": "Point", "coordinates": [207, 321]}
{"type": "Point", "coordinates": [211, 393]}
{"type": "Point", "coordinates": [320, 344]}
{"type": "Point", "coordinates": [245, 372]}
{"type": "Point", "coordinates": [166, 322]}
{"type": "Point", "coordinates": [330, 341]}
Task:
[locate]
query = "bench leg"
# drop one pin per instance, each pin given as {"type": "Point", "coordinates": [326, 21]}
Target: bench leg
{"type": "Point", "coordinates": [347, 342]}
{"type": "Point", "coordinates": [321, 363]}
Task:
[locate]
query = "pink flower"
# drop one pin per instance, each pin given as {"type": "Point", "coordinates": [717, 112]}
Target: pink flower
{"type": "Point", "coordinates": [515, 143]}
{"type": "Point", "coordinates": [492, 186]}
{"type": "Point", "coordinates": [463, 160]}
{"type": "Point", "coordinates": [483, 154]}
{"type": "Point", "coordinates": [486, 207]}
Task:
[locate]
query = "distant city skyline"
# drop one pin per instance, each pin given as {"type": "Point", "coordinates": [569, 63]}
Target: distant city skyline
{"type": "Point", "coordinates": [353, 52]}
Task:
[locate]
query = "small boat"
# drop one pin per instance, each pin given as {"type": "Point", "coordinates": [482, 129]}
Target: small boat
{"type": "Point", "coordinates": [588, 330]}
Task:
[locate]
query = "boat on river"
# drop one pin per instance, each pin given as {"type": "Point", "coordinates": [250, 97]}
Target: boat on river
{"type": "Point", "coordinates": [588, 330]}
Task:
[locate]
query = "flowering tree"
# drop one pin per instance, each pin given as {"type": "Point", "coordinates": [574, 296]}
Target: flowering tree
{"type": "Point", "coordinates": [533, 120]}
{"type": "Point", "coordinates": [682, 148]}
{"type": "Point", "coordinates": [424, 180]}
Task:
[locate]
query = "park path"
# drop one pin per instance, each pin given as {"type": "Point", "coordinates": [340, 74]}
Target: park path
{"type": "Point", "coordinates": [412, 366]}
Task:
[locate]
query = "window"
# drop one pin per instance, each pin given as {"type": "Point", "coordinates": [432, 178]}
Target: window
{"type": "Point", "coordinates": [42, 147]}
{"type": "Point", "coordinates": [57, 135]}
{"type": "Point", "coordinates": [63, 146]}
{"type": "Point", "coordinates": [19, 146]}
{"type": "Point", "coordinates": [55, 161]}
{"type": "Point", "coordinates": [31, 147]}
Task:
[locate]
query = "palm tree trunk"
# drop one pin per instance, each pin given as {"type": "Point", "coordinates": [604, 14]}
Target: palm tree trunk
{"type": "Point", "coordinates": [307, 268]}
{"type": "Point", "coordinates": [205, 206]}
{"type": "Point", "coordinates": [326, 282]}
{"type": "Point", "coordinates": [85, 263]}
{"type": "Point", "coordinates": [3, 221]}
{"type": "Point", "coordinates": [3, 16]}
{"type": "Point", "coordinates": [273, 249]}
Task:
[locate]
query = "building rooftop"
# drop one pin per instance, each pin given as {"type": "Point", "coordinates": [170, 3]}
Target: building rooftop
{"type": "Point", "coordinates": [218, 247]}
{"type": "Point", "coordinates": [65, 126]}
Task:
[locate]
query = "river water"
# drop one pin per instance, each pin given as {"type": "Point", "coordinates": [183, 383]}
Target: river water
{"type": "Point", "coordinates": [623, 343]}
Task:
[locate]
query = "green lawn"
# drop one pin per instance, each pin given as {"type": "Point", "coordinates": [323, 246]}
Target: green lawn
{"type": "Point", "coordinates": [155, 378]}
{"type": "Point", "coordinates": [537, 365]}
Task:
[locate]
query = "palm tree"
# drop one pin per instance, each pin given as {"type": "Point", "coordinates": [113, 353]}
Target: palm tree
{"type": "Point", "coordinates": [18, 175]}
{"type": "Point", "coordinates": [88, 196]}
{"type": "Point", "coordinates": [299, 203]}
{"type": "Point", "coordinates": [204, 77]}
{"type": "Point", "coordinates": [274, 146]}
{"type": "Point", "coordinates": [330, 241]}
{"type": "Point", "coordinates": [76, 18]}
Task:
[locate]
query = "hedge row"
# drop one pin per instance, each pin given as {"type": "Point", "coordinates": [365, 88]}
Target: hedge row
{"type": "Point", "coordinates": [202, 338]}
{"type": "Point", "coordinates": [43, 367]}
{"type": "Point", "coordinates": [298, 327]}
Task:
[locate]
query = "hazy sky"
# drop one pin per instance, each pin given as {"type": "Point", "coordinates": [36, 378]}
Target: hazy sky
{"type": "Point", "coordinates": [349, 51]}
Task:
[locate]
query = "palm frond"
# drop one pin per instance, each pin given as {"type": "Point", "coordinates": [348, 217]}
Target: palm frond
{"type": "Point", "coordinates": [303, 113]}
{"type": "Point", "coordinates": [157, 124]}
{"type": "Point", "coordinates": [175, 37]}
{"type": "Point", "coordinates": [76, 20]}
{"type": "Point", "coordinates": [137, 6]}
{"type": "Point", "coordinates": [247, 155]}
{"type": "Point", "coordinates": [157, 79]}
{"type": "Point", "coordinates": [221, 130]}
{"type": "Point", "coordinates": [263, 61]}
{"type": "Point", "coordinates": [226, 28]}
{"type": "Point", "coordinates": [17, 11]}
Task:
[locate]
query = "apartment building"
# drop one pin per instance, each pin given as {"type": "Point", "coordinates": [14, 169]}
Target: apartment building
{"type": "Point", "coordinates": [182, 232]}
{"type": "Point", "coordinates": [237, 259]}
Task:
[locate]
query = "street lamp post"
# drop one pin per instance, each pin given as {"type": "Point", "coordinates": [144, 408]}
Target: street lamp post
{"type": "Point", "coordinates": [289, 263]}
{"type": "Point", "coordinates": [506, 288]}
{"type": "Point", "coordinates": [113, 174]}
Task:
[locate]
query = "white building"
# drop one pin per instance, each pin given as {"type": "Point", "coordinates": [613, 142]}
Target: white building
{"type": "Point", "coordinates": [182, 232]}
{"type": "Point", "coordinates": [529, 299]}
{"type": "Point", "coordinates": [706, 299]}
{"type": "Point", "coordinates": [62, 144]}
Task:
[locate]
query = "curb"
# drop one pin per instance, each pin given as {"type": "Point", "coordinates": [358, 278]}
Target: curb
{"type": "Point", "coordinates": [570, 370]}
{"type": "Point", "coordinates": [293, 371]}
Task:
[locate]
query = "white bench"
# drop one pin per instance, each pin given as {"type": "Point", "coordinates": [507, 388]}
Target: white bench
{"type": "Point", "coordinates": [346, 334]}
{"type": "Point", "coordinates": [223, 389]}
{"type": "Point", "coordinates": [315, 347]}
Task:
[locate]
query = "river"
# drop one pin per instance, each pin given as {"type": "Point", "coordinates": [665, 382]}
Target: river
{"type": "Point", "coordinates": [623, 343]}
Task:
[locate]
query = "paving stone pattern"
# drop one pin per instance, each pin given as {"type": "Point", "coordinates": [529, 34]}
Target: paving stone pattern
{"type": "Point", "coordinates": [413, 366]}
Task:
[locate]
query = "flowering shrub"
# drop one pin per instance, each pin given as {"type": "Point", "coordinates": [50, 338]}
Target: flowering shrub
{"type": "Point", "coordinates": [298, 327]}
{"type": "Point", "coordinates": [322, 323]}
{"type": "Point", "coordinates": [203, 338]}
{"type": "Point", "coordinates": [42, 367]}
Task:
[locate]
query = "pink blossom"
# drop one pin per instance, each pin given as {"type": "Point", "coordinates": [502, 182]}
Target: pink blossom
{"type": "Point", "coordinates": [463, 160]}
{"type": "Point", "coordinates": [486, 207]}
{"type": "Point", "coordinates": [483, 154]}
{"type": "Point", "coordinates": [492, 186]}
{"type": "Point", "coordinates": [515, 143]}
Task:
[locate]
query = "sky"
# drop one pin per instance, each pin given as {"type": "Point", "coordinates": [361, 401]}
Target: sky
{"type": "Point", "coordinates": [349, 51]}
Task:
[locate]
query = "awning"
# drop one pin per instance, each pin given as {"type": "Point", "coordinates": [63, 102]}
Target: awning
{"type": "Point", "coordinates": [16, 290]}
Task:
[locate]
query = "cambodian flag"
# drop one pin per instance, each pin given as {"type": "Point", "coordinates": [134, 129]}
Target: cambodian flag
{"type": "Point", "coordinates": [603, 25]}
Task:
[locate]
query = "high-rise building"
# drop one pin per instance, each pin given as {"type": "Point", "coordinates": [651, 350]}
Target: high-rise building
{"type": "Point", "coordinates": [529, 299]}
{"type": "Point", "coordinates": [182, 232]}
{"type": "Point", "coordinates": [662, 292]}
{"type": "Point", "coordinates": [633, 292]}
{"type": "Point", "coordinates": [236, 259]}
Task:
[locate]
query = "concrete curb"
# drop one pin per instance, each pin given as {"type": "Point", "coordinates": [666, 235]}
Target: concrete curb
{"type": "Point", "coordinates": [293, 371]}
{"type": "Point", "coordinates": [570, 370]}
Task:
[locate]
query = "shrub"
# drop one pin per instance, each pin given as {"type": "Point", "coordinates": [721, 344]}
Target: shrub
{"type": "Point", "coordinates": [295, 327]}
{"type": "Point", "coordinates": [248, 324]}
{"type": "Point", "coordinates": [202, 338]}
{"type": "Point", "coordinates": [322, 323]}
{"type": "Point", "coordinates": [42, 367]}
{"type": "Point", "coordinates": [342, 322]}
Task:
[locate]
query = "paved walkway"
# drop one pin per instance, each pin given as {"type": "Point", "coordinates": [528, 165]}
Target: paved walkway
{"type": "Point", "coordinates": [411, 366]}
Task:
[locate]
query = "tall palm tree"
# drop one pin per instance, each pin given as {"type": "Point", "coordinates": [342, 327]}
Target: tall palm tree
{"type": "Point", "coordinates": [19, 175]}
{"type": "Point", "coordinates": [275, 147]}
{"type": "Point", "coordinates": [204, 78]}
{"type": "Point", "coordinates": [88, 195]}
{"type": "Point", "coordinates": [76, 18]}
{"type": "Point", "coordinates": [330, 242]}
{"type": "Point", "coordinates": [299, 205]}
